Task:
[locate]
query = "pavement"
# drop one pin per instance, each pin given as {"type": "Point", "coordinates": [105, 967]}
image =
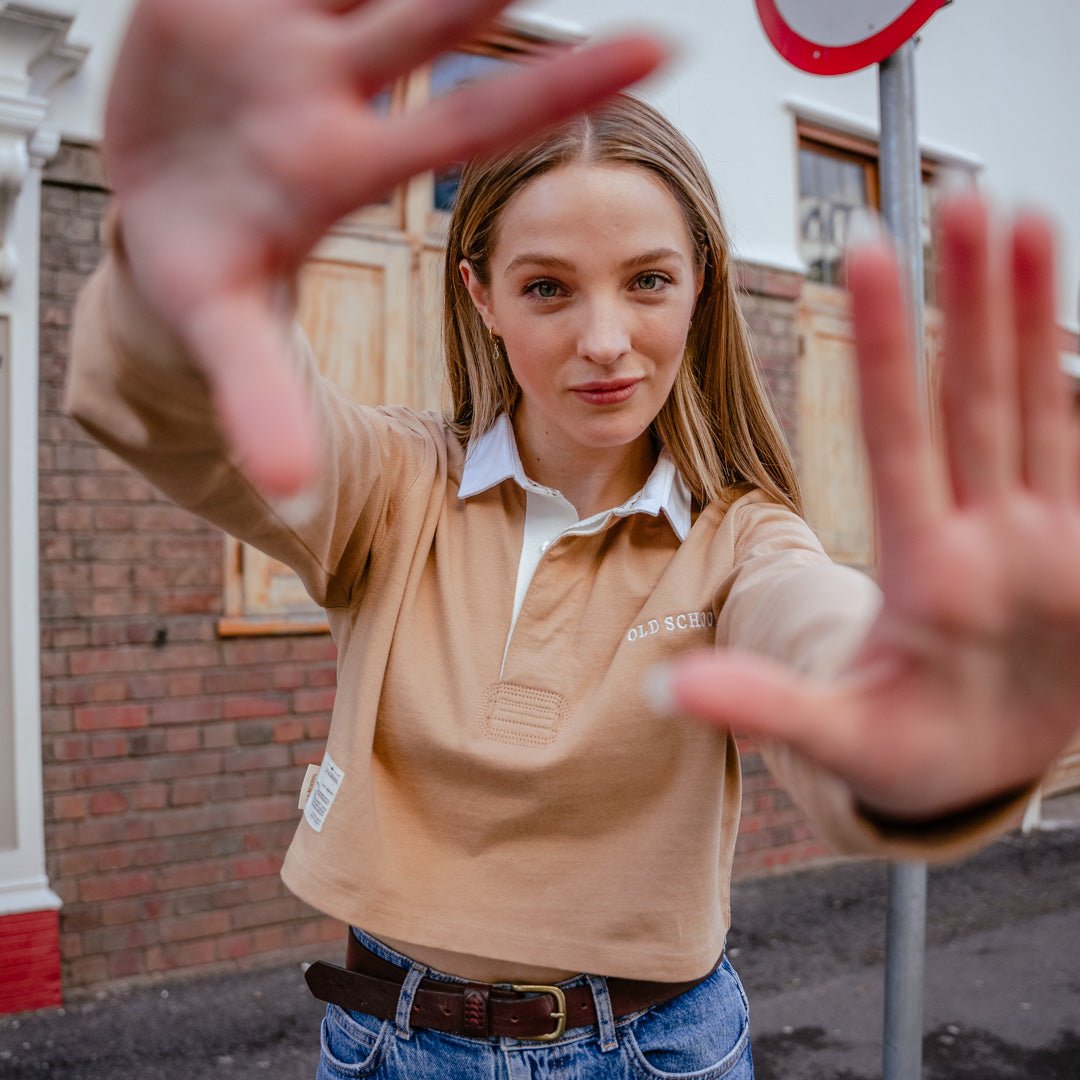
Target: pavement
{"type": "Point", "coordinates": [1002, 986]}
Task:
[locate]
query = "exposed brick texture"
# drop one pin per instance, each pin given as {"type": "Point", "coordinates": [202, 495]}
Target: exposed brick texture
{"type": "Point", "coordinates": [769, 298]}
{"type": "Point", "coordinates": [173, 757]}
{"type": "Point", "coordinates": [773, 833]}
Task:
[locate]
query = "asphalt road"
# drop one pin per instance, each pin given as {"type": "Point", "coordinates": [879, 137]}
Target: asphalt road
{"type": "Point", "coordinates": [1002, 985]}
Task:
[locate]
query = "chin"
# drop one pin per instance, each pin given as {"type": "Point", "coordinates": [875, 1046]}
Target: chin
{"type": "Point", "coordinates": [603, 433]}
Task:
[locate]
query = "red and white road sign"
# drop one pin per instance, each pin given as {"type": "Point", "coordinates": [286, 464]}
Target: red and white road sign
{"type": "Point", "coordinates": [833, 37]}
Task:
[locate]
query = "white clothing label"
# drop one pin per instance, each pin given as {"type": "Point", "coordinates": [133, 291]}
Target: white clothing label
{"type": "Point", "coordinates": [327, 784]}
{"type": "Point", "coordinates": [308, 785]}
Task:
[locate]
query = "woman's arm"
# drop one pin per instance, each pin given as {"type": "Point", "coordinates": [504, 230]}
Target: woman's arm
{"type": "Point", "coordinates": [132, 385]}
{"type": "Point", "coordinates": [964, 687]}
{"type": "Point", "coordinates": [787, 610]}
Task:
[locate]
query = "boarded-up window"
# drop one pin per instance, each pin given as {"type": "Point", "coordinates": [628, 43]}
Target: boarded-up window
{"type": "Point", "coordinates": [839, 177]}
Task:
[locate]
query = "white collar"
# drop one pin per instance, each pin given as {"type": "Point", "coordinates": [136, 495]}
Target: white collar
{"type": "Point", "coordinates": [493, 457]}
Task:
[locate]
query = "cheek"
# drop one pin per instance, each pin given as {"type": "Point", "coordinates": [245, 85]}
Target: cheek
{"type": "Point", "coordinates": [669, 348]}
{"type": "Point", "coordinates": [536, 345]}
{"type": "Point", "coordinates": [529, 363]}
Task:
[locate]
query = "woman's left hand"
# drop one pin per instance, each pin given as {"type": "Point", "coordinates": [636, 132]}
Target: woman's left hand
{"type": "Point", "coordinates": [968, 684]}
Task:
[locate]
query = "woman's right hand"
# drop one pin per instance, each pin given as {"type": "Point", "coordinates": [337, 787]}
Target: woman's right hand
{"type": "Point", "coordinates": [237, 133]}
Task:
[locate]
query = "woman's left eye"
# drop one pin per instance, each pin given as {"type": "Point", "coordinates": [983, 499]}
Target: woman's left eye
{"type": "Point", "coordinates": [651, 282]}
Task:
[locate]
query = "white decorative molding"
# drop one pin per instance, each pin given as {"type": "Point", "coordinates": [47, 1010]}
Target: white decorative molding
{"type": "Point", "coordinates": [14, 168]}
{"type": "Point", "coordinates": [31, 894]}
{"type": "Point", "coordinates": [35, 56]}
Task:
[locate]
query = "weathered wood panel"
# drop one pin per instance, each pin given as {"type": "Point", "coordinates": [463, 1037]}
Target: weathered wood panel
{"type": "Point", "coordinates": [833, 468]}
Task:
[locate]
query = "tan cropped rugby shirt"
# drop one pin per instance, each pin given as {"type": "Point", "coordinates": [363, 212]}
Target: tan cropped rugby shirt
{"type": "Point", "coordinates": [511, 798]}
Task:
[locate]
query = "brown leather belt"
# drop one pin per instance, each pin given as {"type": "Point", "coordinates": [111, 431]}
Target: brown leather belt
{"type": "Point", "coordinates": [372, 985]}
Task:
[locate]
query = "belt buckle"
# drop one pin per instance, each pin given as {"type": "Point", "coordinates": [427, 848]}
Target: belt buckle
{"type": "Point", "coordinates": [558, 1014]}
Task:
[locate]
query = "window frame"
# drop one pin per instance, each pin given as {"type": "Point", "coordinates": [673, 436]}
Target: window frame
{"type": "Point", "coordinates": [865, 151]}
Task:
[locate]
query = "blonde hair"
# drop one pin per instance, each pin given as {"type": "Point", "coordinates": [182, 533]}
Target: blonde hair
{"type": "Point", "coordinates": [717, 423]}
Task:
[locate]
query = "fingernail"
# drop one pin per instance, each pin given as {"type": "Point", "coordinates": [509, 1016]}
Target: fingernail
{"type": "Point", "coordinates": [951, 180]}
{"type": "Point", "coordinates": [296, 510]}
{"type": "Point", "coordinates": [659, 690]}
{"type": "Point", "coordinates": [865, 229]}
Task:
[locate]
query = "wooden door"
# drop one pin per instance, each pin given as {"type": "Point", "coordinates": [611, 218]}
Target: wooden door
{"type": "Point", "coordinates": [354, 306]}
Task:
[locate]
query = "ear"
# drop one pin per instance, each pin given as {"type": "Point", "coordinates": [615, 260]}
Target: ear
{"type": "Point", "coordinates": [479, 292]}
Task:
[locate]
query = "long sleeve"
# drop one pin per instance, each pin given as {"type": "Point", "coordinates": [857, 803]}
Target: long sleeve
{"type": "Point", "coordinates": [131, 386]}
{"type": "Point", "coordinates": [786, 599]}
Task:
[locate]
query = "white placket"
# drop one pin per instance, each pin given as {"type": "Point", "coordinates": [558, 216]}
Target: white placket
{"type": "Point", "coordinates": [549, 516]}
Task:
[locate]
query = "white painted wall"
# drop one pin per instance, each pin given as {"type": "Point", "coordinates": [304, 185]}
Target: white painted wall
{"type": "Point", "coordinates": [999, 84]}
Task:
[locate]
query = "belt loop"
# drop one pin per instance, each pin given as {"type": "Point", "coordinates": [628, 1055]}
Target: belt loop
{"type": "Point", "coordinates": [605, 1018]}
{"type": "Point", "coordinates": [403, 1029]}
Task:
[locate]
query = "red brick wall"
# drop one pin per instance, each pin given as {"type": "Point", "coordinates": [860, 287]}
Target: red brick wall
{"type": "Point", "coordinates": [769, 300]}
{"type": "Point", "coordinates": [774, 834]}
{"type": "Point", "coordinates": [173, 757]}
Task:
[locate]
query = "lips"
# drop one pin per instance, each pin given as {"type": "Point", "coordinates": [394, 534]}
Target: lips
{"type": "Point", "coordinates": [609, 392]}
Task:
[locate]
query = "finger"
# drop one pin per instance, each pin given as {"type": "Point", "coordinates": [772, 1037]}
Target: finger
{"type": "Point", "coordinates": [486, 116]}
{"type": "Point", "coordinates": [390, 37]}
{"type": "Point", "coordinates": [264, 411]}
{"type": "Point", "coordinates": [907, 480]}
{"type": "Point", "coordinates": [978, 384]}
{"type": "Point", "coordinates": [1048, 431]}
{"type": "Point", "coordinates": [753, 695]}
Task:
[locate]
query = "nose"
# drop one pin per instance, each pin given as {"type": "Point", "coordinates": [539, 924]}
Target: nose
{"type": "Point", "coordinates": [605, 333]}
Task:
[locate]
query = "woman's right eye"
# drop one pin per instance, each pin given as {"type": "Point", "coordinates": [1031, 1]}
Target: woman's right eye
{"type": "Point", "coordinates": [544, 289]}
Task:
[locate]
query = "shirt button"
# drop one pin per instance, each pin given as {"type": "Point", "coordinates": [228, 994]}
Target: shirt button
{"type": "Point", "coordinates": [544, 546]}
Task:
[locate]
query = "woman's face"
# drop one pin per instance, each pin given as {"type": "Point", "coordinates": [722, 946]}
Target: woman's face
{"type": "Point", "coordinates": [593, 284]}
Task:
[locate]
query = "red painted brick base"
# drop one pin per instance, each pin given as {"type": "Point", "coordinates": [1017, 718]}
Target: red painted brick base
{"type": "Point", "coordinates": [29, 961]}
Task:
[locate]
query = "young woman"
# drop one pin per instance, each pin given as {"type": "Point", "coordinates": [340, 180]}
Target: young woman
{"type": "Point", "coordinates": [534, 859]}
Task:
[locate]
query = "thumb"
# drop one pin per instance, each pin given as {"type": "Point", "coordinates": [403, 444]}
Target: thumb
{"type": "Point", "coordinates": [752, 695]}
{"type": "Point", "coordinates": [264, 410]}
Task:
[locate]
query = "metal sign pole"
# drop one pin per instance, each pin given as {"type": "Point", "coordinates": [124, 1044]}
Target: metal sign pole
{"type": "Point", "coordinates": [901, 197]}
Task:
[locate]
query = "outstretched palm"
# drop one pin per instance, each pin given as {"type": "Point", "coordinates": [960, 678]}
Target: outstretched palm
{"type": "Point", "coordinates": [967, 685]}
{"type": "Point", "coordinates": [238, 132]}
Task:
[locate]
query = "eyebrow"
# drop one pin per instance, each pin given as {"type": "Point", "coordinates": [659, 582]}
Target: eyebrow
{"type": "Point", "coordinates": [539, 258]}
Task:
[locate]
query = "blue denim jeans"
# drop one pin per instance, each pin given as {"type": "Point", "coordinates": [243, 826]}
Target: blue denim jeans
{"type": "Point", "coordinates": [699, 1035]}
